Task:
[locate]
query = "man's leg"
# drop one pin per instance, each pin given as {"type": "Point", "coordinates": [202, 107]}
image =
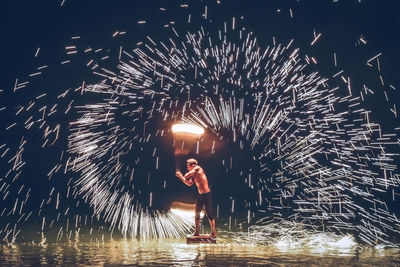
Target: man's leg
{"type": "Point", "coordinates": [212, 225]}
{"type": "Point", "coordinates": [199, 207]}
{"type": "Point", "coordinates": [197, 225]}
{"type": "Point", "coordinates": [210, 215]}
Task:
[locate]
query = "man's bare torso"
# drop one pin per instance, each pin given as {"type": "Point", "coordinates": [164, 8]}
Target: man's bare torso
{"type": "Point", "coordinates": [201, 181]}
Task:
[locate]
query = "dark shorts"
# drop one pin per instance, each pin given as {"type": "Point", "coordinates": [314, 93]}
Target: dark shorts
{"type": "Point", "coordinates": [204, 200]}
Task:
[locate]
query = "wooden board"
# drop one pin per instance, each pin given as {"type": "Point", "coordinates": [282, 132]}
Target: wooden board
{"type": "Point", "coordinates": [190, 239]}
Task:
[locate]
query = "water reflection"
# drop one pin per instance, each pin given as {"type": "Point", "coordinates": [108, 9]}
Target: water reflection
{"type": "Point", "coordinates": [177, 253]}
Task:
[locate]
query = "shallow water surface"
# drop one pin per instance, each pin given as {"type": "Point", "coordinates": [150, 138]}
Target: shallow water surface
{"type": "Point", "coordinates": [177, 253]}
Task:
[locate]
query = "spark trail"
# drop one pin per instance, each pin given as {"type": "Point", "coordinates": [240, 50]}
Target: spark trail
{"type": "Point", "coordinates": [336, 167]}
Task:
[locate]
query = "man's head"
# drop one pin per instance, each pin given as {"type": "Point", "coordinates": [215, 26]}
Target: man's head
{"type": "Point", "coordinates": [191, 163]}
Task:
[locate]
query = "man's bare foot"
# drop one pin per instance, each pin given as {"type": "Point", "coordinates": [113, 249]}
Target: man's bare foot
{"type": "Point", "coordinates": [213, 235]}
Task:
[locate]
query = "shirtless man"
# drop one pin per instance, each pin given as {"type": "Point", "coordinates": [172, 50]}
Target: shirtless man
{"type": "Point", "coordinates": [196, 175]}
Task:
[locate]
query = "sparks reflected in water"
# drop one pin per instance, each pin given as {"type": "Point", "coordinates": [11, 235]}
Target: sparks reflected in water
{"type": "Point", "coordinates": [322, 250]}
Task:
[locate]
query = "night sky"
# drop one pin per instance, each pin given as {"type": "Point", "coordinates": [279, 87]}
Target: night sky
{"type": "Point", "coordinates": [50, 26]}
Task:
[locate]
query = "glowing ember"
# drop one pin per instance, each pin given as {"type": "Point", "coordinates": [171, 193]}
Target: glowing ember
{"type": "Point", "coordinates": [187, 128]}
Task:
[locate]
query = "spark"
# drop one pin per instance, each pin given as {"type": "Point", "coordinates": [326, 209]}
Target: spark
{"type": "Point", "coordinates": [333, 160]}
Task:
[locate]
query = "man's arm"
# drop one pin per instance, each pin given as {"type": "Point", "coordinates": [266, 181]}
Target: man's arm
{"type": "Point", "coordinates": [191, 173]}
{"type": "Point", "coordinates": [185, 178]}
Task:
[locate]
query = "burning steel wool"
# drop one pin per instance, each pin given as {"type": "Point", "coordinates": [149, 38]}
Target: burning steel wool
{"type": "Point", "coordinates": [323, 162]}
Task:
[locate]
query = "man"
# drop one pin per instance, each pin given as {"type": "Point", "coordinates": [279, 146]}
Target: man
{"type": "Point", "coordinates": [196, 175]}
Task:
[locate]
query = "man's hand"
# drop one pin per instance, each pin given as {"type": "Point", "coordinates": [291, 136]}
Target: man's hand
{"type": "Point", "coordinates": [178, 174]}
{"type": "Point", "coordinates": [184, 179]}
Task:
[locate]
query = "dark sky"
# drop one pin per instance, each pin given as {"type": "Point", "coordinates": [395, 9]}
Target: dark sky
{"type": "Point", "coordinates": [27, 25]}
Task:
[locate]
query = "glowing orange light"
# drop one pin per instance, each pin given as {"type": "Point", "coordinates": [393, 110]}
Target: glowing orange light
{"type": "Point", "coordinates": [186, 213]}
{"type": "Point", "coordinates": [187, 128]}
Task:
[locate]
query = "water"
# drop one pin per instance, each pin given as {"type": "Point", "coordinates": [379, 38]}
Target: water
{"type": "Point", "coordinates": [175, 252]}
